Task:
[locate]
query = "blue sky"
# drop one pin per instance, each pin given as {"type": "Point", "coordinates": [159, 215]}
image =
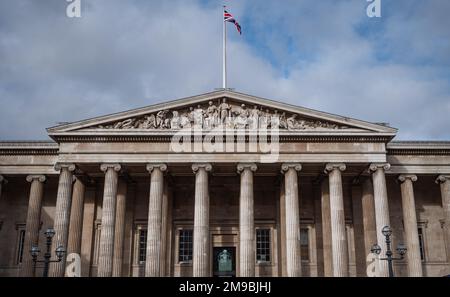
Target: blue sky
{"type": "Point", "coordinates": [327, 55]}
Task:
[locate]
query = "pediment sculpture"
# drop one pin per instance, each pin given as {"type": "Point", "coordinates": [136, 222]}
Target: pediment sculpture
{"type": "Point", "coordinates": [223, 114]}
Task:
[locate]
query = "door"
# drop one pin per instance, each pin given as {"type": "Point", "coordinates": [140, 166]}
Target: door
{"type": "Point", "coordinates": [224, 259]}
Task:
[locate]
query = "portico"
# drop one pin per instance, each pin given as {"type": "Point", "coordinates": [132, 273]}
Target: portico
{"type": "Point", "coordinates": [121, 194]}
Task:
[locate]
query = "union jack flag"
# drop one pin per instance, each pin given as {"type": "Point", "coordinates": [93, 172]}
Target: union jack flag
{"type": "Point", "coordinates": [229, 18]}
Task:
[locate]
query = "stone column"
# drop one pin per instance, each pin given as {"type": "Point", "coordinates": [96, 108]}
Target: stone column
{"type": "Point", "coordinates": [381, 210]}
{"type": "Point", "coordinates": [355, 235]}
{"type": "Point", "coordinates": [444, 182]}
{"type": "Point", "coordinates": [282, 233]}
{"type": "Point", "coordinates": [166, 201]}
{"type": "Point", "coordinates": [201, 253]}
{"type": "Point", "coordinates": [153, 256]}
{"type": "Point", "coordinates": [410, 225]}
{"type": "Point", "coordinates": [33, 222]}
{"type": "Point", "coordinates": [76, 218]}
{"type": "Point", "coordinates": [105, 259]}
{"type": "Point", "coordinates": [247, 253]}
{"type": "Point", "coordinates": [119, 231]}
{"type": "Point", "coordinates": [338, 231]}
{"type": "Point", "coordinates": [368, 215]}
{"type": "Point", "coordinates": [89, 213]}
{"type": "Point", "coordinates": [62, 215]}
{"type": "Point", "coordinates": [292, 217]}
{"type": "Point", "coordinates": [326, 229]}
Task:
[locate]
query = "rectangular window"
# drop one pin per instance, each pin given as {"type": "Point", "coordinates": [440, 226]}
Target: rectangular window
{"type": "Point", "coordinates": [142, 245]}
{"type": "Point", "coordinates": [185, 245]}
{"type": "Point", "coordinates": [263, 245]}
{"type": "Point", "coordinates": [304, 244]}
{"type": "Point", "coordinates": [20, 246]}
{"type": "Point", "coordinates": [421, 244]}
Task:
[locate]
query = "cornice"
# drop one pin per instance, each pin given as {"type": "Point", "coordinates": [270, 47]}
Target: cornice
{"type": "Point", "coordinates": [283, 138]}
{"type": "Point", "coordinates": [29, 148]}
{"type": "Point", "coordinates": [434, 148]}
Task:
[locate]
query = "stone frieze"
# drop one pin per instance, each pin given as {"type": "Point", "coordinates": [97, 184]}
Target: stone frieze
{"type": "Point", "coordinates": [221, 114]}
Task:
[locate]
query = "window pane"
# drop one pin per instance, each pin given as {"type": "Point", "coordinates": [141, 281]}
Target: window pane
{"type": "Point", "coordinates": [263, 245]}
{"type": "Point", "coordinates": [421, 244]}
{"type": "Point", "coordinates": [142, 245]}
{"type": "Point", "coordinates": [185, 245]}
{"type": "Point", "coordinates": [304, 244]}
{"type": "Point", "coordinates": [20, 247]}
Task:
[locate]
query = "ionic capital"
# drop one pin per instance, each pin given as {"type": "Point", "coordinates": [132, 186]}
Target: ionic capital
{"type": "Point", "coordinates": [403, 177]}
{"type": "Point", "coordinates": [286, 166]}
{"type": "Point", "coordinates": [376, 166]}
{"type": "Point", "coordinates": [242, 166]}
{"type": "Point", "coordinates": [197, 166]}
{"type": "Point", "coordinates": [60, 166]}
{"type": "Point", "coordinates": [115, 167]}
{"type": "Point", "coordinates": [40, 178]}
{"type": "Point", "coordinates": [334, 166]}
{"type": "Point", "coordinates": [442, 179]}
{"type": "Point", "coordinates": [160, 166]}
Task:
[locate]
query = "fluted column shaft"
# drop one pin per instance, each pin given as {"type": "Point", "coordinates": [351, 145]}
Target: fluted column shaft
{"type": "Point", "coordinates": [201, 254]}
{"type": "Point", "coordinates": [119, 229]}
{"type": "Point", "coordinates": [62, 215]}
{"type": "Point", "coordinates": [368, 214]}
{"type": "Point", "coordinates": [326, 229]}
{"type": "Point", "coordinates": [338, 232]}
{"type": "Point", "coordinates": [293, 257]}
{"type": "Point", "coordinates": [381, 210]}
{"type": "Point", "coordinates": [33, 222]}
{"type": "Point", "coordinates": [444, 182]}
{"type": "Point", "coordinates": [410, 225]}
{"type": "Point", "coordinates": [76, 218]}
{"type": "Point", "coordinates": [165, 230]}
{"type": "Point", "coordinates": [153, 256]}
{"type": "Point", "coordinates": [105, 260]}
{"type": "Point", "coordinates": [247, 253]}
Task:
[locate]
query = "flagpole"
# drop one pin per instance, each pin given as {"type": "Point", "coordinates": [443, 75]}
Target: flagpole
{"type": "Point", "coordinates": [224, 50]}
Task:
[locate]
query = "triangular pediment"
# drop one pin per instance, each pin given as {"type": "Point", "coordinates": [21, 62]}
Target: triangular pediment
{"type": "Point", "coordinates": [227, 109]}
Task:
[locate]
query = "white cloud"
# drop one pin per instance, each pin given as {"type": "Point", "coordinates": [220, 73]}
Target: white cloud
{"type": "Point", "coordinates": [122, 55]}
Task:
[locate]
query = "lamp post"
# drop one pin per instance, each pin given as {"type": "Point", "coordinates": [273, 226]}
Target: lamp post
{"type": "Point", "coordinates": [60, 252]}
{"type": "Point", "coordinates": [401, 249]}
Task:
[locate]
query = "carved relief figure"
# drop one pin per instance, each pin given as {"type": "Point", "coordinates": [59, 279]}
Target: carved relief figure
{"type": "Point", "coordinates": [224, 110]}
{"type": "Point", "coordinates": [190, 115]}
{"type": "Point", "coordinates": [127, 124]}
{"type": "Point", "coordinates": [212, 116]}
{"type": "Point", "coordinates": [175, 121]}
{"type": "Point", "coordinates": [241, 119]}
{"type": "Point", "coordinates": [275, 120]}
{"type": "Point", "coordinates": [149, 122]}
{"type": "Point", "coordinates": [292, 122]}
{"type": "Point", "coordinates": [160, 119]}
{"type": "Point", "coordinates": [185, 122]}
{"type": "Point", "coordinates": [283, 122]}
{"type": "Point", "coordinates": [198, 116]}
{"type": "Point", "coordinates": [262, 119]}
{"type": "Point", "coordinates": [254, 118]}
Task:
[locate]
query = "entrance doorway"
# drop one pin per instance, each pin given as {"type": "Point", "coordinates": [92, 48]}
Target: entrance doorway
{"type": "Point", "coordinates": [224, 259]}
